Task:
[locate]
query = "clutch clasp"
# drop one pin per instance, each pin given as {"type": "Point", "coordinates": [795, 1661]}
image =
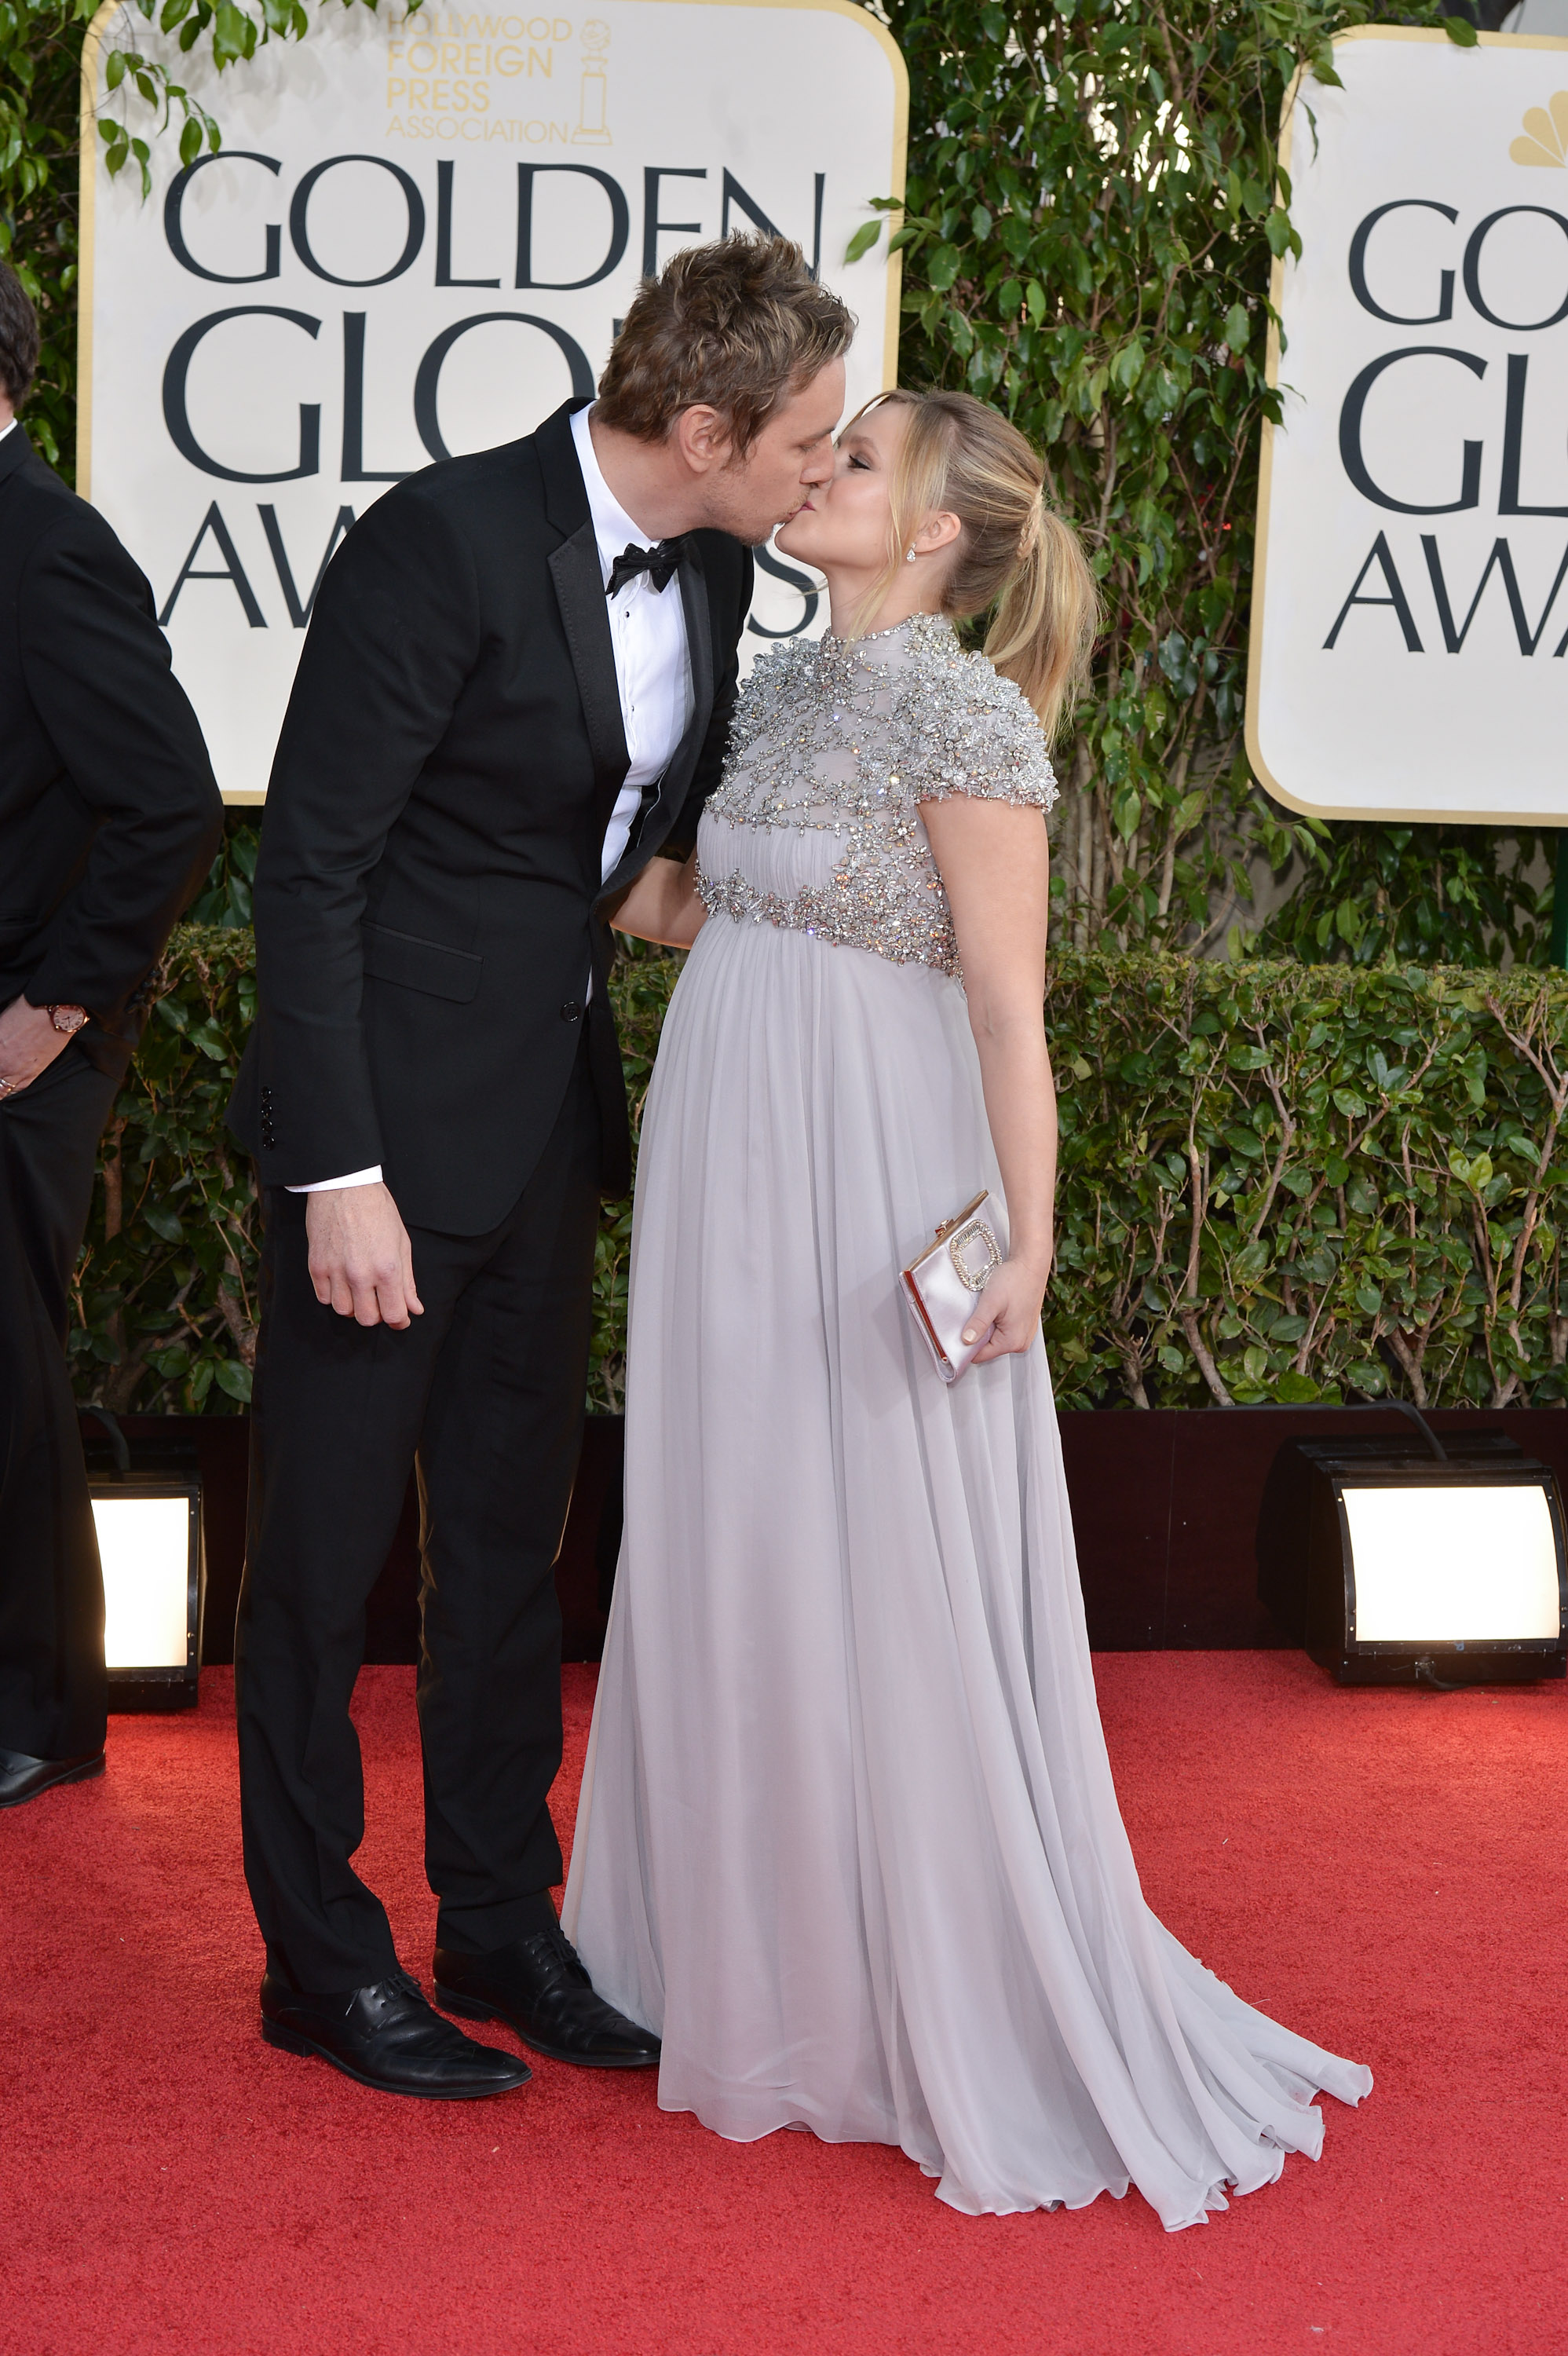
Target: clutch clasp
{"type": "Point", "coordinates": [960, 1218]}
{"type": "Point", "coordinates": [977, 1238]}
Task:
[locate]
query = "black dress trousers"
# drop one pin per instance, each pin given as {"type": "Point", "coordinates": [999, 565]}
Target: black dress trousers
{"type": "Point", "coordinates": [484, 1394]}
{"type": "Point", "coordinates": [53, 1693]}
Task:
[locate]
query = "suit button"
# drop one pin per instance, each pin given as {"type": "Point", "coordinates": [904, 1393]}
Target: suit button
{"type": "Point", "coordinates": [572, 1012]}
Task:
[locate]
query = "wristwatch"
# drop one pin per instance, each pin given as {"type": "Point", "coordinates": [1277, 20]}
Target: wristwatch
{"type": "Point", "coordinates": [69, 1019]}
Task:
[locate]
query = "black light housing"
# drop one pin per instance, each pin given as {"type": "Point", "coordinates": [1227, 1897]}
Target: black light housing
{"type": "Point", "coordinates": [1393, 1562]}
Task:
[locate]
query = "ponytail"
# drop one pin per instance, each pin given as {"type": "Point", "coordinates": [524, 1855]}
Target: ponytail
{"type": "Point", "coordinates": [1043, 631]}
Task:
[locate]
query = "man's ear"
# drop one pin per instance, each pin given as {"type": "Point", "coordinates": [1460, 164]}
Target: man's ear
{"type": "Point", "coordinates": [701, 434]}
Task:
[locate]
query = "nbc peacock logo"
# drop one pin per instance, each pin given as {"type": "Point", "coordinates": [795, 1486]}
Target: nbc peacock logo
{"type": "Point", "coordinates": [1545, 139]}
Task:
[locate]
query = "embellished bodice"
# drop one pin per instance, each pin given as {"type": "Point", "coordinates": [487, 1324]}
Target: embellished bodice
{"type": "Point", "coordinates": [816, 825]}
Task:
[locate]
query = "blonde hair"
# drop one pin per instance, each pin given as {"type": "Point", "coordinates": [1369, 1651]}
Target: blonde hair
{"type": "Point", "coordinates": [1015, 552]}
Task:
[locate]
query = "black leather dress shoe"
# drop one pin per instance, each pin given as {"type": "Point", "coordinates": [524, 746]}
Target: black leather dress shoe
{"type": "Point", "coordinates": [537, 1986]}
{"type": "Point", "coordinates": [22, 1778]}
{"type": "Point", "coordinates": [387, 2036]}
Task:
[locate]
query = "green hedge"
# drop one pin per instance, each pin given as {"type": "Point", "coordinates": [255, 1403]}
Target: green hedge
{"type": "Point", "coordinates": [1275, 1179]}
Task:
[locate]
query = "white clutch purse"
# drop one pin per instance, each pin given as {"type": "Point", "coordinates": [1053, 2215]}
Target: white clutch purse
{"type": "Point", "coordinates": [942, 1286]}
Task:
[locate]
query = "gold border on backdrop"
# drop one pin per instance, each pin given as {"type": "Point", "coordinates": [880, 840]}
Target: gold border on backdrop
{"type": "Point", "coordinates": [1370, 815]}
{"type": "Point", "coordinates": [88, 188]}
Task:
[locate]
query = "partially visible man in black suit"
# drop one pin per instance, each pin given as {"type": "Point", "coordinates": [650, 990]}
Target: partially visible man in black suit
{"type": "Point", "coordinates": [109, 818]}
{"type": "Point", "coordinates": [515, 689]}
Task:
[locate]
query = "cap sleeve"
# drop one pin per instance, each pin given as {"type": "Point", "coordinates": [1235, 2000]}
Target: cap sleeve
{"type": "Point", "coordinates": [979, 738]}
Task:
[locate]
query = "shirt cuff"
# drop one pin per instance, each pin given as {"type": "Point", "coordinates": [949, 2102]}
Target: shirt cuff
{"type": "Point", "coordinates": [326, 1185]}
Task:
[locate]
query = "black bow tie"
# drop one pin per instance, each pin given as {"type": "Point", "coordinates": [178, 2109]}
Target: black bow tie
{"type": "Point", "coordinates": [659, 564]}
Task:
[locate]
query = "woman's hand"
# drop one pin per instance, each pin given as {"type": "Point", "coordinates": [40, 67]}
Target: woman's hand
{"type": "Point", "coordinates": [1010, 1305]}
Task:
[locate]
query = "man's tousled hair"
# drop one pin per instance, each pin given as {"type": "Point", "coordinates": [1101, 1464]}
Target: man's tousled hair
{"type": "Point", "coordinates": [18, 338]}
{"type": "Point", "coordinates": [735, 327]}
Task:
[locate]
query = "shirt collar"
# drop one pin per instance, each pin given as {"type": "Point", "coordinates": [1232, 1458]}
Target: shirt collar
{"type": "Point", "coordinates": [612, 527]}
{"type": "Point", "coordinates": [5, 429]}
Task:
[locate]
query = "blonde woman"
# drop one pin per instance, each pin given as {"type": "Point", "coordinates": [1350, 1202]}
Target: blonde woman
{"type": "Point", "coordinates": [848, 1838]}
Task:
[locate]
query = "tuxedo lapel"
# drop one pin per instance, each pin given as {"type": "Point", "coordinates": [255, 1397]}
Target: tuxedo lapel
{"type": "Point", "coordinates": [699, 639]}
{"type": "Point", "coordinates": [699, 645]}
{"type": "Point", "coordinates": [579, 583]}
{"type": "Point", "coordinates": [584, 613]}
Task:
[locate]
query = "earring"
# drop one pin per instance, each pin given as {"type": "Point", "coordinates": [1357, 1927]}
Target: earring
{"type": "Point", "coordinates": [909, 558]}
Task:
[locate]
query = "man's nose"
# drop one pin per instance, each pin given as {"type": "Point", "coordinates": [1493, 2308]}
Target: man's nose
{"type": "Point", "coordinates": [818, 467]}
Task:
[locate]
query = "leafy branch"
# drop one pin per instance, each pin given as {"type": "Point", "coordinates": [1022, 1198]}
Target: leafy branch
{"type": "Point", "coordinates": [232, 36]}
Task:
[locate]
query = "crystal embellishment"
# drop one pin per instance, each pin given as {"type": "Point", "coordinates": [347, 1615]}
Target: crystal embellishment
{"type": "Point", "coordinates": [850, 737]}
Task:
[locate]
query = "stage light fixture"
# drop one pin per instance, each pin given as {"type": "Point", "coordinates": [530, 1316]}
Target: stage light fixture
{"type": "Point", "coordinates": [146, 1503]}
{"type": "Point", "coordinates": [1395, 1565]}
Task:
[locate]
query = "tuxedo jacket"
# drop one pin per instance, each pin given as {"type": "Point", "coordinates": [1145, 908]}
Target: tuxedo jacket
{"type": "Point", "coordinates": [428, 897]}
{"type": "Point", "coordinates": [109, 815]}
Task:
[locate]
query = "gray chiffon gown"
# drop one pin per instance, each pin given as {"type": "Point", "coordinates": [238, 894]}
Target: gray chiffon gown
{"type": "Point", "coordinates": [848, 1837]}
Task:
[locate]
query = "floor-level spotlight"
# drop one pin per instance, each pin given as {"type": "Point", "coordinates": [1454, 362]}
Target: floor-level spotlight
{"type": "Point", "coordinates": [146, 1502]}
{"type": "Point", "coordinates": [1395, 1563]}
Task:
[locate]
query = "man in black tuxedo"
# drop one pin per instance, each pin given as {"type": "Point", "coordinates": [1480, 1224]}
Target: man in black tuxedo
{"type": "Point", "coordinates": [109, 818]}
{"type": "Point", "coordinates": [516, 690]}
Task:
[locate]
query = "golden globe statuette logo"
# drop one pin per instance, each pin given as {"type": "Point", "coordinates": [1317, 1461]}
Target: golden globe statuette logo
{"type": "Point", "coordinates": [1545, 139]}
{"type": "Point", "coordinates": [592, 125]}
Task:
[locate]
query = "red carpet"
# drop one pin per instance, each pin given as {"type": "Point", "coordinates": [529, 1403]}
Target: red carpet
{"type": "Point", "coordinates": [1384, 1872]}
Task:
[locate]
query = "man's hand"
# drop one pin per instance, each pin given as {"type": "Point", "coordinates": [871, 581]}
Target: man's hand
{"type": "Point", "coordinates": [361, 1263]}
{"type": "Point", "coordinates": [29, 1046]}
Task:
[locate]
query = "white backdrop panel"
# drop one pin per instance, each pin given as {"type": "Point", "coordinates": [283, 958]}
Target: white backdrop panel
{"type": "Point", "coordinates": [1425, 387]}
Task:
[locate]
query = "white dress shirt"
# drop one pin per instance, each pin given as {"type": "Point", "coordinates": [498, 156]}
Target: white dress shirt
{"type": "Point", "coordinates": [653, 672]}
{"type": "Point", "coordinates": [5, 429]}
